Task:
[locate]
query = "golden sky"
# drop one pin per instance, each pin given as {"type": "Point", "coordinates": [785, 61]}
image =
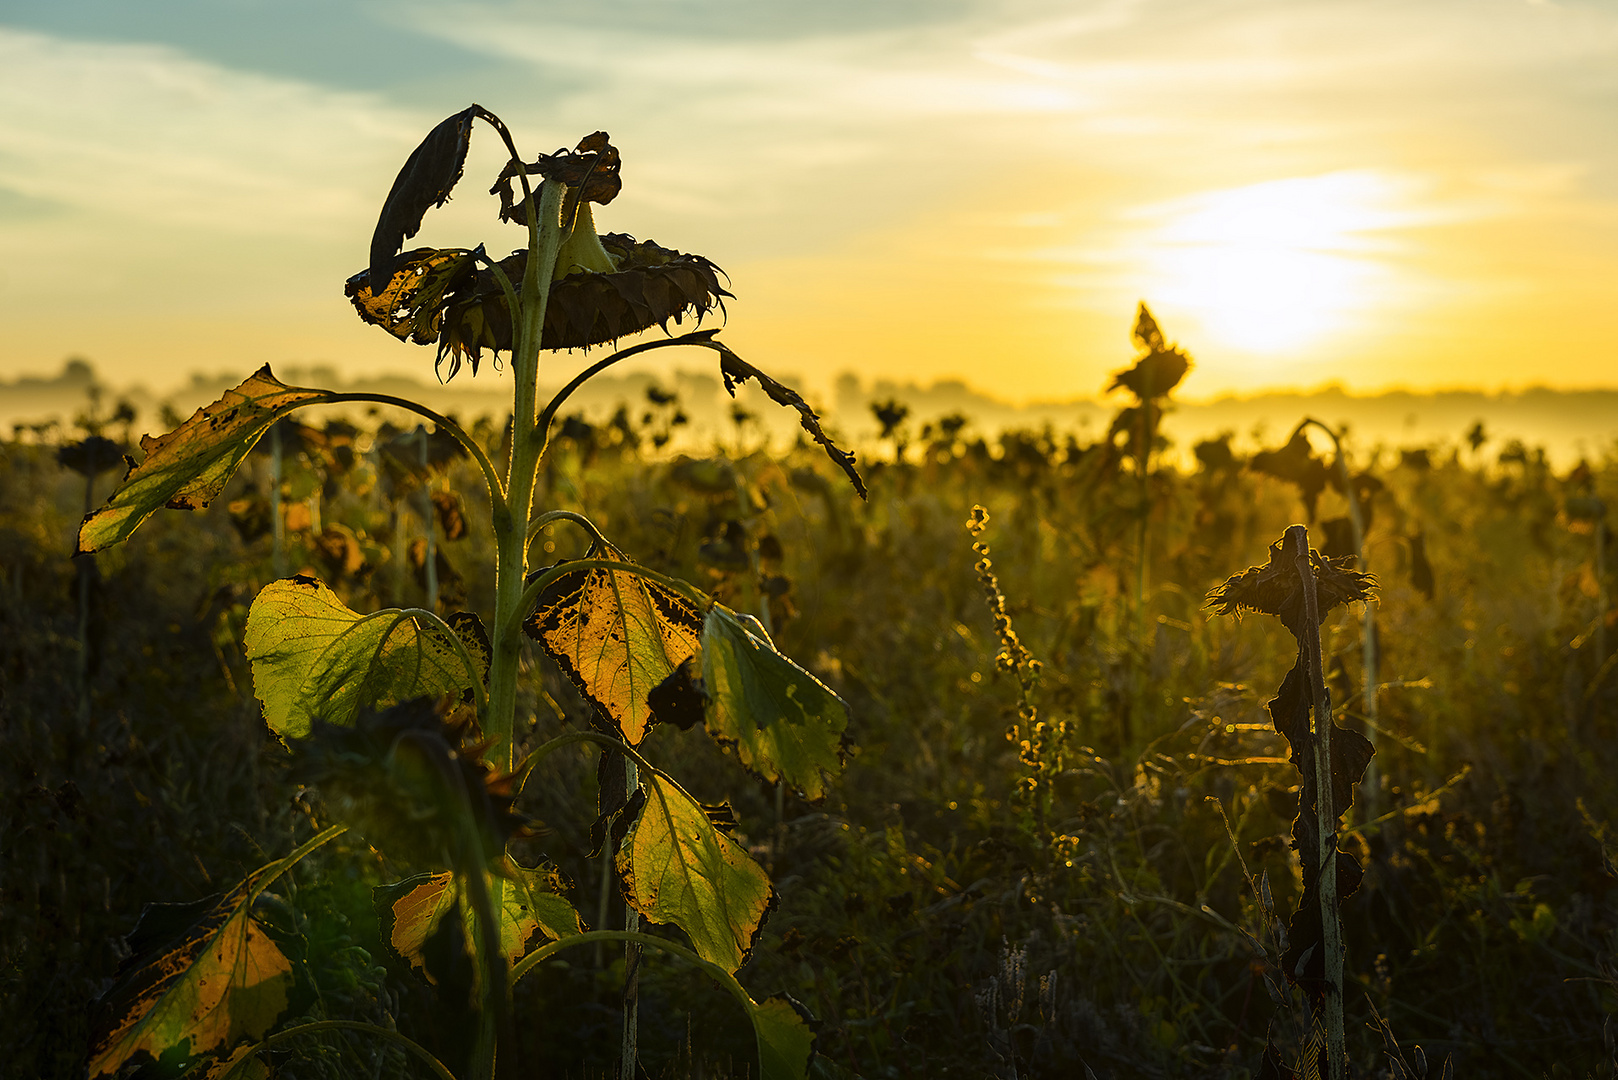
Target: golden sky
{"type": "Point", "coordinates": [1417, 194]}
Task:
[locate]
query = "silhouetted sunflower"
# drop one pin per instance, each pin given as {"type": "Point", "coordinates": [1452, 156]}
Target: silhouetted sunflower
{"type": "Point", "coordinates": [603, 287]}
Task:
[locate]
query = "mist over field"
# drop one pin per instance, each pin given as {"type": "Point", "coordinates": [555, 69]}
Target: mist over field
{"type": "Point", "coordinates": [1567, 424]}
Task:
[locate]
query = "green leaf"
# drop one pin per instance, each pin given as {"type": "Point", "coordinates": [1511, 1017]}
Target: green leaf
{"type": "Point", "coordinates": [678, 868]}
{"type": "Point", "coordinates": [188, 468]}
{"type": "Point", "coordinates": [785, 1039]}
{"type": "Point", "coordinates": [314, 658]}
{"type": "Point", "coordinates": [411, 911]}
{"type": "Point", "coordinates": [784, 723]}
{"type": "Point", "coordinates": [616, 635]}
{"type": "Point", "coordinates": [202, 979]}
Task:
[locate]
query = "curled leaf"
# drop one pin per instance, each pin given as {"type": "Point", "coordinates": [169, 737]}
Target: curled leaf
{"type": "Point", "coordinates": [202, 978]}
{"type": "Point", "coordinates": [591, 172]}
{"type": "Point", "coordinates": [425, 181]}
{"type": "Point", "coordinates": [410, 912]}
{"type": "Point", "coordinates": [404, 781]}
{"type": "Point", "coordinates": [736, 370]}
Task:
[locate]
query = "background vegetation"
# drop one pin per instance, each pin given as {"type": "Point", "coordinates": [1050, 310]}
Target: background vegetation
{"type": "Point", "coordinates": [959, 906]}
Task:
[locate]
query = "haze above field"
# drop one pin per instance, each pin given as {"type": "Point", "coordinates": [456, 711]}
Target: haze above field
{"type": "Point", "coordinates": [1567, 425]}
{"type": "Point", "coordinates": [1420, 194]}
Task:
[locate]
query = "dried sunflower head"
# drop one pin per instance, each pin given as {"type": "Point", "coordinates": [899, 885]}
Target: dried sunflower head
{"type": "Point", "coordinates": [603, 287]}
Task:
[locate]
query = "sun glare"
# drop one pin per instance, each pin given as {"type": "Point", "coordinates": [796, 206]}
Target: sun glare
{"type": "Point", "coordinates": [1275, 266]}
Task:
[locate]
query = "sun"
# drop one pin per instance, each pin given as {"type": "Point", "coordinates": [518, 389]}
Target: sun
{"type": "Point", "coordinates": [1277, 266]}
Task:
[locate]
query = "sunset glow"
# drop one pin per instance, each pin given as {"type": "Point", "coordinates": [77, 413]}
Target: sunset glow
{"type": "Point", "coordinates": [1274, 266]}
{"type": "Point", "coordinates": [1418, 194]}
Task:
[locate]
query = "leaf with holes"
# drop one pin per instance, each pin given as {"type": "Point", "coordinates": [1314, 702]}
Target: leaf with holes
{"type": "Point", "coordinates": [784, 723]}
{"type": "Point", "coordinates": [188, 468]}
{"type": "Point", "coordinates": [677, 867]}
{"type": "Point", "coordinates": [202, 979]}
{"type": "Point", "coordinates": [313, 658]}
{"type": "Point", "coordinates": [617, 636]}
{"type": "Point", "coordinates": [410, 912]}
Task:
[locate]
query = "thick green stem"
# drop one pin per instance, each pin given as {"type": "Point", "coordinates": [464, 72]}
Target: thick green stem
{"type": "Point", "coordinates": [632, 952]}
{"type": "Point", "coordinates": [1331, 931]}
{"type": "Point", "coordinates": [511, 515]}
{"type": "Point", "coordinates": [511, 520]}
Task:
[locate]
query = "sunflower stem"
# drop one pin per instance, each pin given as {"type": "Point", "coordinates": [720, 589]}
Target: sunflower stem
{"type": "Point", "coordinates": [511, 521]}
{"type": "Point", "coordinates": [1331, 930]}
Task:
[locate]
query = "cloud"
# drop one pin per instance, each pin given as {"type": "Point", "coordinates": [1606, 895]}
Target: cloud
{"type": "Point", "coordinates": [145, 134]}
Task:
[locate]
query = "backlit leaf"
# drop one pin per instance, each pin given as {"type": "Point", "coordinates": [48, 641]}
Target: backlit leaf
{"type": "Point", "coordinates": [188, 468]}
{"type": "Point", "coordinates": [202, 979]}
{"type": "Point", "coordinates": [313, 658]}
{"type": "Point", "coordinates": [617, 636]}
{"type": "Point", "coordinates": [678, 868]}
{"type": "Point", "coordinates": [785, 1038]}
{"type": "Point", "coordinates": [410, 913]}
{"type": "Point", "coordinates": [784, 723]}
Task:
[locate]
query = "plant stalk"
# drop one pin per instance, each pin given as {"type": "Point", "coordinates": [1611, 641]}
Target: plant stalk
{"type": "Point", "coordinates": [1371, 786]}
{"type": "Point", "coordinates": [1325, 817]}
{"type": "Point", "coordinates": [511, 520]}
{"type": "Point", "coordinates": [632, 954]}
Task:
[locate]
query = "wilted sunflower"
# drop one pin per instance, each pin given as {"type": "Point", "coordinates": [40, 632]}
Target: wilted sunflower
{"type": "Point", "coordinates": [603, 288]}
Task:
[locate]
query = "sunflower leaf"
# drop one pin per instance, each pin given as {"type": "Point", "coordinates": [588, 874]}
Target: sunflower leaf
{"type": "Point", "coordinates": [410, 912]}
{"type": "Point", "coordinates": [677, 867]}
{"type": "Point", "coordinates": [188, 468]}
{"type": "Point", "coordinates": [784, 723]}
{"type": "Point", "coordinates": [202, 979]}
{"type": "Point", "coordinates": [314, 658]}
{"type": "Point", "coordinates": [617, 636]}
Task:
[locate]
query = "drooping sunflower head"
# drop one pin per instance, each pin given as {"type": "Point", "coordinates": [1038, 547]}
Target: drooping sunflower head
{"type": "Point", "coordinates": [604, 287]}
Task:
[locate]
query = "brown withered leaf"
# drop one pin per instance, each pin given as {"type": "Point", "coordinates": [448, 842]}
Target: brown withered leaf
{"type": "Point", "coordinates": [425, 181]}
{"type": "Point", "coordinates": [591, 172]}
{"type": "Point", "coordinates": [1296, 462]}
{"type": "Point", "coordinates": [736, 370]}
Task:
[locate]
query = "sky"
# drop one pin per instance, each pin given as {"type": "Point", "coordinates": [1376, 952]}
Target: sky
{"type": "Point", "coordinates": [1414, 193]}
